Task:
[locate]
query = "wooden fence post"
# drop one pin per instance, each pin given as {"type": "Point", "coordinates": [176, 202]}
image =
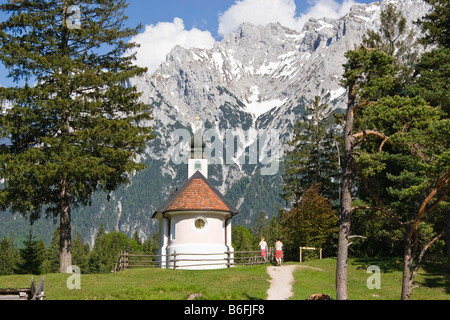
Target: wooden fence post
{"type": "Point", "coordinates": [118, 266]}
{"type": "Point", "coordinates": [38, 293]}
{"type": "Point", "coordinates": [174, 259]}
{"type": "Point", "coordinates": [122, 261]}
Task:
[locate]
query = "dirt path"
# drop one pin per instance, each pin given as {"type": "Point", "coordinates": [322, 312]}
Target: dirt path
{"type": "Point", "coordinates": [281, 282]}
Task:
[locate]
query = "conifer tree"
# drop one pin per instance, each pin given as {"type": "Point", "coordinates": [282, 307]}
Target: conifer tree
{"type": "Point", "coordinates": [150, 245]}
{"type": "Point", "coordinates": [313, 157]}
{"type": "Point", "coordinates": [137, 238]}
{"type": "Point", "coordinates": [52, 262]}
{"type": "Point", "coordinates": [9, 256]}
{"type": "Point", "coordinates": [368, 76]}
{"type": "Point", "coordinates": [431, 78]}
{"type": "Point", "coordinates": [409, 180]}
{"type": "Point", "coordinates": [242, 239]}
{"type": "Point", "coordinates": [436, 24]}
{"type": "Point", "coordinates": [394, 38]}
{"type": "Point", "coordinates": [76, 125]}
{"type": "Point", "coordinates": [402, 158]}
{"type": "Point", "coordinates": [259, 228]}
{"type": "Point", "coordinates": [80, 253]}
{"type": "Point", "coordinates": [433, 71]}
{"type": "Point", "coordinates": [410, 177]}
{"type": "Point", "coordinates": [98, 254]}
{"type": "Point", "coordinates": [32, 254]}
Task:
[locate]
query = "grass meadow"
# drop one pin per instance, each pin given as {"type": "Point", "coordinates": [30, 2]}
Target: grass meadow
{"type": "Point", "coordinates": [318, 276]}
{"type": "Point", "coordinates": [239, 283]}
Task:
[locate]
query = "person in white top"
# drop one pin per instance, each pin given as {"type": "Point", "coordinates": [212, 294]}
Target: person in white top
{"type": "Point", "coordinates": [263, 246]}
{"type": "Point", "coordinates": [279, 251]}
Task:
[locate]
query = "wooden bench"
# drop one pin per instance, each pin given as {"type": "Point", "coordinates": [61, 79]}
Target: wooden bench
{"type": "Point", "coordinates": [32, 293]}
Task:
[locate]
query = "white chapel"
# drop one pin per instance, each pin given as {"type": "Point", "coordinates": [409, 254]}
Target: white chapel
{"type": "Point", "coordinates": [195, 220]}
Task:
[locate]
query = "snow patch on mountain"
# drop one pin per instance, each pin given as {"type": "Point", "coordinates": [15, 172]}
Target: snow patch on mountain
{"type": "Point", "coordinates": [257, 107]}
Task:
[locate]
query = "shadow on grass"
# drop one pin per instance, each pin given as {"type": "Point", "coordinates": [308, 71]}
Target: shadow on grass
{"type": "Point", "coordinates": [437, 276]}
{"type": "Point", "coordinates": [386, 264]}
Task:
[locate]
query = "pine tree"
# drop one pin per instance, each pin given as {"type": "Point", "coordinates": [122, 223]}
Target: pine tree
{"type": "Point", "coordinates": [436, 24]}
{"type": "Point", "coordinates": [150, 245]}
{"type": "Point", "coordinates": [242, 239]}
{"type": "Point", "coordinates": [313, 156]}
{"type": "Point", "coordinates": [431, 78]}
{"type": "Point", "coordinates": [409, 178]}
{"type": "Point", "coordinates": [433, 70]}
{"type": "Point", "coordinates": [402, 159]}
{"type": "Point", "coordinates": [137, 238]}
{"type": "Point", "coordinates": [397, 41]}
{"type": "Point", "coordinates": [51, 264]}
{"type": "Point", "coordinates": [259, 228]}
{"type": "Point", "coordinates": [32, 255]}
{"type": "Point", "coordinates": [80, 252]}
{"type": "Point", "coordinates": [9, 256]}
{"type": "Point", "coordinates": [78, 128]}
{"type": "Point", "coordinates": [368, 76]}
{"type": "Point", "coordinates": [97, 256]}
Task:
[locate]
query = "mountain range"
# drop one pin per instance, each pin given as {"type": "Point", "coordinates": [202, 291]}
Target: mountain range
{"type": "Point", "coordinates": [256, 80]}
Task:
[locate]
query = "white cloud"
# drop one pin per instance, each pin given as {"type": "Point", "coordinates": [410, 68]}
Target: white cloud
{"type": "Point", "coordinates": [157, 41]}
{"type": "Point", "coordinates": [328, 8]}
{"type": "Point", "coordinates": [262, 12]}
{"type": "Point", "coordinates": [257, 12]}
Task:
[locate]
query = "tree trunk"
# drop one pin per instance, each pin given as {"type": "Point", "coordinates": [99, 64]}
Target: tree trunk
{"type": "Point", "coordinates": [65, 243]}
{"type": "Point", "coordinates": [411, 247]}
{"type": "Point", "coordinates": [346, 203]}
{"type": "Point", "coordinates": [65, 255]}
{"type": "Point", "coordinates": [407, 264]}
{"type": "Point", "coordinates": [447, 236]}
{"type": "Point", "coordinates": [342, 257]}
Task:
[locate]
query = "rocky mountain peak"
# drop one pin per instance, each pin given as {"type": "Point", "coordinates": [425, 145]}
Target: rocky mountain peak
{"type": "Point", "coordinates": [259, 78]}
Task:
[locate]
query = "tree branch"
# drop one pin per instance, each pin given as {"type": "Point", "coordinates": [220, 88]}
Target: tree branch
{"type": "Point", "coordinates": [364, 133]}
{"type": "Point", "coordinates": [424, 249]}
{"type": "Point", "coordinates": [355, 236]}
{"type": "Point", "coordinates": [439, 199]}
{"type": "Point", "coordinates": [362, 104]}
{"type": "Point", "coordinates": [441, 183]}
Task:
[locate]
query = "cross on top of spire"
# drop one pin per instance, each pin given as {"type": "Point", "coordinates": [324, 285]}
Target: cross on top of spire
{"type": "Point", "coordinates": [196, 122]}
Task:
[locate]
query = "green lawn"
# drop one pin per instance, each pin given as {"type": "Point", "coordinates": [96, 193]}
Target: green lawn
{"type": "Point", "coordinates": [434, 283]}
{"type": "Point", "coordinates": [238, 283]}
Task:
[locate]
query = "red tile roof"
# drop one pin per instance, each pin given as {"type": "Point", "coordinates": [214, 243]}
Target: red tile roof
{"type": "Point", "coordinates": [198, 194]}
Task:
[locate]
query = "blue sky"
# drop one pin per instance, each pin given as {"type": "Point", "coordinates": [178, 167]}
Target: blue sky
{"type": "Point", "coordinates": [199, 23]}
{"type": "Point", "coordinates": [201, 14]}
